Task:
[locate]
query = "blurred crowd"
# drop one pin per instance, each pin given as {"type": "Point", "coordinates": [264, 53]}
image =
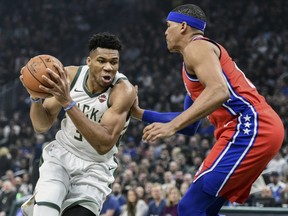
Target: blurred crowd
{"type": "Point", "coordinates": [151, 177]}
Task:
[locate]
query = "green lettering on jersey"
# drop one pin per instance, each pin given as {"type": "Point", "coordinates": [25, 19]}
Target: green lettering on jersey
{"type": "Point", "coordinates": [93, 114]}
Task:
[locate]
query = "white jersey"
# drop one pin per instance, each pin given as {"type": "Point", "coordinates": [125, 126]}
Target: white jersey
{"type": "Point", "coordinates": [94, 106]}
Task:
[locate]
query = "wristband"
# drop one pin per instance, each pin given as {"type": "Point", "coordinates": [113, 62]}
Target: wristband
{"type": "Point", "coordinates": [70, 106]}
{"type": "Point", "coordinates": [35, 100]}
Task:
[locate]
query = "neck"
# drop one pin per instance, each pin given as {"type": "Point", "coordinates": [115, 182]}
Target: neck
{"type": "Point", "coordinates": [197, 35]}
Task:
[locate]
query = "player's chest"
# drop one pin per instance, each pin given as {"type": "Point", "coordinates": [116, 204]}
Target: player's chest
{"type": "Point", "coordinates": [92, 107]}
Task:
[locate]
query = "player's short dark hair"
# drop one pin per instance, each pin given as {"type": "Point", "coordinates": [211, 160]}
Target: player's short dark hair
{"type": "Point", "coordinates": [191, 10]}
{"type": "Point", "coordinates": [105, 40]}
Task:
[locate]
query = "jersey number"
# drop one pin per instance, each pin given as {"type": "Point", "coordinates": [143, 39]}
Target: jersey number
{"type": "Point", "coordinates": [79, 137]}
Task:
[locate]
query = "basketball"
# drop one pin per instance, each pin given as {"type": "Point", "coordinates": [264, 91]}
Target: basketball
{"type": "Point", "coordinates": [35, 68]}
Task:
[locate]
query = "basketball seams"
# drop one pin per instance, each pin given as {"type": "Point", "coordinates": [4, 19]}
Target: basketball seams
{"type": "Point", "coordinates": [27, 66]}
{"type": "Point", "coordinates": [46, 66]}
{"type": "Point", "coordinates": [36, 68]}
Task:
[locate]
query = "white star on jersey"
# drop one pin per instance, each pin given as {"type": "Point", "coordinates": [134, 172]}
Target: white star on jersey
{"type": "Point", "coordinates": [247, 118]}
{"type": "Point", "coordinates": [246, 131]}
{"type": "Point", "coordinates": [247, 124]}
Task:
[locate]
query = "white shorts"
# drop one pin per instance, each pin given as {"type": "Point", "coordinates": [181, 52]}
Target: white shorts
{"type": "Point", "coordinates": [67, 180]}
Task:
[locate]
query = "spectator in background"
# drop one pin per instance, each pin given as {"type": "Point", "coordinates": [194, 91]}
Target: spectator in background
{"type": "Point", "coordinates": [148, 191]}
{"type": "Point", "coordinates": [278, 164]}
{"type": "Point", "coordinates": [168, 179]}
{"type": "Point", "coordinates": [183, 188]}
{"type": "Point", "coordinates": [117, 193]}
{"type": "Point", "coordinates": [277, 188]}
{"type": "Point", "coordinates": [131, 148]}
{"type": "Point", "coordinates": [140, 192]}
{"type": "Point", "coordinates": [128, 179]}
{"type": "Point", "coordinates": [26, 187]}
{"type": "Point", "coordinates": [5, 161]}
{"type": "Point", "coordinates": [178, 178]}
{"type": "Point", "coordinates": [157, 204]}
{"type": "Point", "coordinates": [173, 197]}
{"type": "Point", "coordinates": [188, 178]}
{"type": "Point", "coordinates": [9, 175]}
{"type": "Point", "coordinates": [111, 207]}
{"type": "Point", "coordinates": [134, 206]}
{"type": "Point", "coordinates": [7, 197]}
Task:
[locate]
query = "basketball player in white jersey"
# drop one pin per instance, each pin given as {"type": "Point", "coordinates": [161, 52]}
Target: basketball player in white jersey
{"type": "Point", "coordinates": [79, 164]}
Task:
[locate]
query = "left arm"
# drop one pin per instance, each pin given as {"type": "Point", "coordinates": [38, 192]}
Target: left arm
{"type": "Point", "coordinates": [202, 60]}
{"type": "Point", "coordinates": [104, 135]}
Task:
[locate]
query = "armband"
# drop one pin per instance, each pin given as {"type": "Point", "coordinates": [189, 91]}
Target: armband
{"type": "Point", "coordinates": [35, 100]}
{"type": "Point", "coordinates": [70, 106]}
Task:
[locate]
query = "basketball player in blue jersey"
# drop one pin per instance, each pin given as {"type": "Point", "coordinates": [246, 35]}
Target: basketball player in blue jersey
{"type": "Point", "coordinates": [79, 164]}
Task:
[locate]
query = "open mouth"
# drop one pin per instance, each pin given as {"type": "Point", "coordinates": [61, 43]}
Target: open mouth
{"type": "Point", "coordinates": [106, 78]}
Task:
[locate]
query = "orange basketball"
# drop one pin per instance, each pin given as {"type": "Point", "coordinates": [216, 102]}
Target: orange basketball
{"type": "Point", "coordinates": [35, 68]}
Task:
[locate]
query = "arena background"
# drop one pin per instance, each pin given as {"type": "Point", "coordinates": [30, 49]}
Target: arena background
{"type": "Point", "coordinates": [254, 32]}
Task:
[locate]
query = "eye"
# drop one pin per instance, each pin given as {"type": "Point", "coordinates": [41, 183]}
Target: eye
{"type": "Point", "coordinates": [101, 61]}
{"type": "Point", "coordinates": [114, 62]}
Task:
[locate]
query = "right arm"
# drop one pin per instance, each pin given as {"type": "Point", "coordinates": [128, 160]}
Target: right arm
{"type": "Point", "coordinates": [150, 116]}
{"type": "Point", "coordinates": [43, 115]}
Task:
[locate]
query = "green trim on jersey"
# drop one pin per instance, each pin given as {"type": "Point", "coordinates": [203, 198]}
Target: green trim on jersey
{"type": "Point", "coordinates": [77, 203]}
{"type": "Point", "coordinates": [115, 173]}
{"type": "Point", "coordinates": [49, 204]}
{"type": "Point", "coordinates": [76, 77]}
{"type": "Point", "coordinates": [86, 88]}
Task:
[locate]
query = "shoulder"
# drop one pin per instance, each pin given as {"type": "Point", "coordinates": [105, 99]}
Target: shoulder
{"type": "Point", "coordinates": [200, 47]}
{"type": "Point", "coordinates": [199, 52]}
{"type": "Point", "coordinates": [123, 89]}
{"type": "Point", "coordinates": [71, 71]}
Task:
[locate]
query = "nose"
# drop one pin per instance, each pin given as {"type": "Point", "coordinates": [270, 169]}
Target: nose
{"type": "Point", "coordinates": [108, 66]}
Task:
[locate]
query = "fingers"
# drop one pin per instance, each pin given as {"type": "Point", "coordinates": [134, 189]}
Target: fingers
{"type": "Point", "coordinates": [151, 133]}
{"type": "Point", "coordinates": [54, 82]}
{"type": "Point", "coordinates": [21, 76]}
{"type": "Point", "coordinates": [61, 71]}
{"type": "Point", "coordinates": [21, 71]}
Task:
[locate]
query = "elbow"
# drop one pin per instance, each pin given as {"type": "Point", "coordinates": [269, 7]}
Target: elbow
{"type": "Point", "coordinates": [103, 148]}
{"type": "Point", "coordinates": [40, 130]}
{"type": "Point", "coordinates": [224, 93]}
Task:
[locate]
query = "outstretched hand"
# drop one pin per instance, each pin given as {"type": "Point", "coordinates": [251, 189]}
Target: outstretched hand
{"type": "Point", "coordinates": [157, 130]}
{"type": "Point", "coordinates": [136, 111]}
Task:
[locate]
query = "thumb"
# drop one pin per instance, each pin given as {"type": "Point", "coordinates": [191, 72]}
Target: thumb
{"type": "Point", "coordinates": [136, 88]}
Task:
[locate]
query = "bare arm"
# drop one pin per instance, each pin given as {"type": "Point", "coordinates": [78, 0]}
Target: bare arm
{"type": "Point", "coordinates": [201, 59]}
{"type": "Point", "coordinates": [104, 135]}
{"type": "Point", "coordinates": [101, 136]}
{"type": "Point", "coordinates": [44, 115]}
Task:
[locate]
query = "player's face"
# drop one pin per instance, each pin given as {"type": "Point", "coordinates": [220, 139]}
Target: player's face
{"type": "Point", "coordinates": [171, 35]}
{"type": "Point", "coordinates": [103, 64]}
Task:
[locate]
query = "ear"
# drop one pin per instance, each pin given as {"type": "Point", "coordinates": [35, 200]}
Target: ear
{"type": "Point", "coordinates": [183, 27]}
{"type": "Point", "coordinates": [88, 60]}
